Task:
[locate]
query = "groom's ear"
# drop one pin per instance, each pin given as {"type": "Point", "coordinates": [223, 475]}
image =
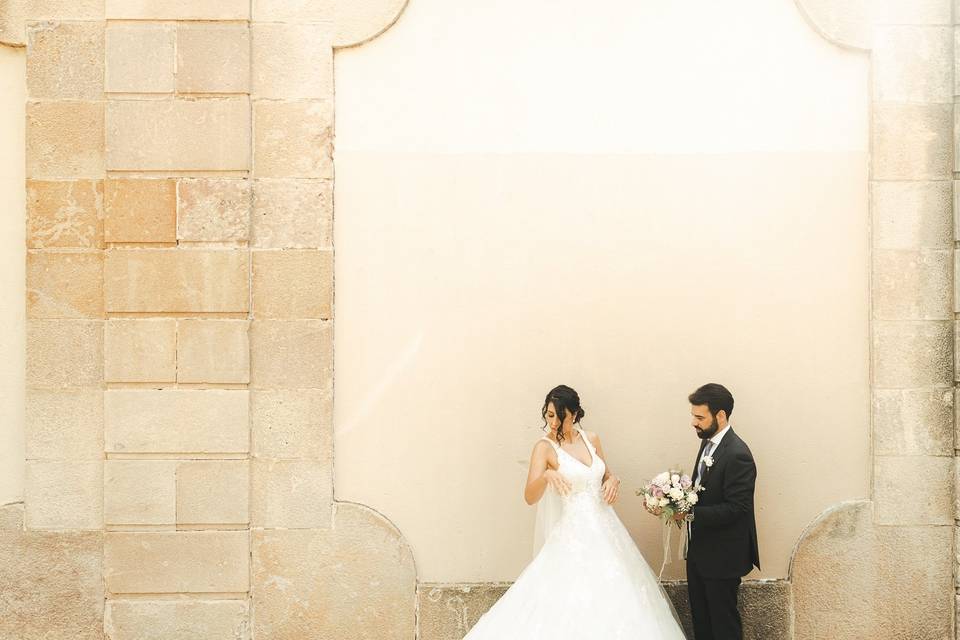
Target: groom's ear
{"type": "Point", "coordinates": [723, 413]}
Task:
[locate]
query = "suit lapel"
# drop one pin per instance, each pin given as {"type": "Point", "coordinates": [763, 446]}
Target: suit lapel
{"type": "Point", "coordinates": [695, 476]}
{"type": "Point", "coordinates": [718, 450]}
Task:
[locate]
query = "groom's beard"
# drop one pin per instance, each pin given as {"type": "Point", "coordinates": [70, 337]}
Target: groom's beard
{"type": "Point", "coordinates": [710, 431]}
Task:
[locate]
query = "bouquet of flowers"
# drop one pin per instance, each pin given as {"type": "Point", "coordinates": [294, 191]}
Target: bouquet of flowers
{"type": "Point", "coordinates": [670, 496]}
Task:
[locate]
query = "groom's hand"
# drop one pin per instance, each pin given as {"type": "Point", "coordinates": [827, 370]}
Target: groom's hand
{"type": "Point", "coordinates": [611, 489]}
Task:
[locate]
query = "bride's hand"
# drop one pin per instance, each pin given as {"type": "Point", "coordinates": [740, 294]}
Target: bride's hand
{"type": "Point", "coordinates": [611, 489]}
{"type": "Point", "coordinates": [557, 481]}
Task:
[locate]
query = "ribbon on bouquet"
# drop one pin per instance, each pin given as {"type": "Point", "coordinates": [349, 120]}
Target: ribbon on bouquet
{"type": "Point", "coordinates": [681, 550]}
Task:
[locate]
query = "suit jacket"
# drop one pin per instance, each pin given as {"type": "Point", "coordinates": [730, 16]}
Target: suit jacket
{"type": "Point", "coordinates": [724, 528]}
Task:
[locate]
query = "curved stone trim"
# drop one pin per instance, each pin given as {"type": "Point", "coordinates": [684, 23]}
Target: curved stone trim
{"type": "Point", "coordinates": [13, 20]}
{"type": "Point", "coordinates": [359, 21]}
{"type": "Point", "coordinates": [845, 24]}
{"type": "Point", "coordinates": [11, 516]}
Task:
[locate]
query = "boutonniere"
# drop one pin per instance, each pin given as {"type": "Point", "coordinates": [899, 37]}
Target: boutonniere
{"type": "Point", "coordinates": [708, 461]}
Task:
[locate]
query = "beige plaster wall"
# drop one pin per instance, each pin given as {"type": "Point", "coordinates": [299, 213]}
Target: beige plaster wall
{"type": "Point", "coordinates": [632, 201]}
{"type": "Point", "coordinates": [12, 249]}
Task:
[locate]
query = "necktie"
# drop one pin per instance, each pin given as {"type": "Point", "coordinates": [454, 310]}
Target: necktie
{"type": "Point", "coordinates": [703, 466]}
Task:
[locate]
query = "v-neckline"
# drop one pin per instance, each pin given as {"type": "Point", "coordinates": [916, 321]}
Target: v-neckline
{"type": "Point", "coordinates": [585, 446]}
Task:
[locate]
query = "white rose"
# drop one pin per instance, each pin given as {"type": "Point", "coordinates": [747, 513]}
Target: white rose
{"type": "Point", "coordinates": [662, 479]}
{"type": "Point", "coordinates": [692, 498]}
{"type": "Point", "coordinates": [664, 502]}
{"type": "Point", "coordinates": [652, 502]}
{"type": "Point", "coordinates": [676, 493]}
{"type": "Point", "coordinates": [675, 479]}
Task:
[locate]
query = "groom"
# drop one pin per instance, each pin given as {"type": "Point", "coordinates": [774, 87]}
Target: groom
{"type": "Point", "coordinates": [723, 530]}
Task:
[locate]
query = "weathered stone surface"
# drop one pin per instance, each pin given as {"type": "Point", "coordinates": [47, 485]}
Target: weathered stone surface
{"type": "Point", "coordinates": [911, 12]}
{"type": "Point", "coordinates": [293, 60]}
{"type": "Point", "coordinates": [171, 280]}
{"type": "Point", "coordinates": [897, 501]}
{"type": "Point", "coordinates": [64, 353]}
{"type": "Point", "coordinates": [288, 424]}
{"type": "Point", "coordinates": [177, 620]}
{"type": "Point", "coordinates": [913, 64]}
{"type": "Point", "coordinates": [214, 210]}
{"type": "Point", "coordinates": [903, 605]}
{"type": "Point", "coordinates": [178, 9]}
{"type": "Point", "coordinates": [291, 354]}
{"type": "Point", "coordinates": [56, 589]}
{"type": "Point", "coordinates": [912, 142]}
{"type": "Point", "coordinates": [140, 58]}
{"type": "Point", "coordinates": [213, 58]}
{"type": "Point", "coordinates": [140, 350]}
{"type": "Point", "coordinates": [65, 61]}
{"type": "Point", "coordinates": [912, 354]}
{"type": "Point", "coordinates": [912, 285]}
{"type": "Point", "coordinates": [292, 214]}
{"type": "Point", "coordinates": [176, 421]}
{"type": "Point", "coordinates": [65, 139]}
{"type": "Point", "coordinates": [213, 492]}
{"type": "Point", "coordinates": [358, 22]}
{"type": "Point", "coordinates": [293, 139]}
{"type": "Point", "coordinates": [209, 134]}
{"type": "Point", "coordinates": [293, 494]}
{"type": "Point", "coordinates": [448, 612]}
{"type": "Point", "coordinates": [301, 591]}
{"type": "Point", "coordinates": [11, 517]}
{"type": "Point", "coordinates": [911, 215]}
{"type": "Point", "coordinates": [64, 495]}
{"type": "Point", "coordinates": [13, 21]}
{"type": "Point", "coordinates": [64, 285]}
{"type": "Point", "coordinates": [64, 214]}
{"type": "Point", "coordinates": [213, 351]}
{"type": "Point", "coordinates": [64, 425]}
{"type": "Point", "coordinates": [913, 422]}
{"type": "Point", "coordinates": [293, 284]}
{"type": "Point", "coordinates": [292, 10]}
{"type": "Point", "coordinates": [140, 211]}
{"type": "Point", "coordinates": [176, 561]}
{"type": "Point", "coordinates": [64, 10]}
{"type": "Point", "coordinates": [140, 492]}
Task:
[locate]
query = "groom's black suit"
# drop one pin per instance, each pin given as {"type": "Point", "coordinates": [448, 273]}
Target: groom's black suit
{"type": "Point", "coordinates": [723, 544]}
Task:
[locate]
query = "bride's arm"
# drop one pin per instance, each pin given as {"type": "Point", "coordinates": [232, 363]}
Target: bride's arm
{"type": "Point", "coordinates": [540, 474]}
{"type": "Point", "coordinates": [611, 483]}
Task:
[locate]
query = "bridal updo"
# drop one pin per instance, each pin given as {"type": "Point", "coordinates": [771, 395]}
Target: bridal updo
{"type": "Point", "coordinates": [565, 401]}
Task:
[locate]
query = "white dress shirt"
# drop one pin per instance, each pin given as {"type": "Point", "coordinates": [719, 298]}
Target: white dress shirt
{"type": "Point", "coordinates": [717, 437]}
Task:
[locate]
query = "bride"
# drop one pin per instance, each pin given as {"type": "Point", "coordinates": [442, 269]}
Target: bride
{"type": "Point", "coordinates": [588, 579]}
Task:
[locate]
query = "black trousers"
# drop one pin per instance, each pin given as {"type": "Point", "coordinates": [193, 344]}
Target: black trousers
{"type": "Point", "coordinates": [713, 605]}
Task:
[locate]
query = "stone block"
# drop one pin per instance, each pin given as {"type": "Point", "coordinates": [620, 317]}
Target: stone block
{"type": "Point", "coordinates": [293, 284]}
{"type": "Point", "coordinates": [292, 494]}
{"type": "Point", "coordinates": [65, 60]}
{"type": "Point", "coordinates": [64, 10]}
{"type": "Point", "coordinates": [293, 61]}
{"type": "Point", "coordinates": [291, 354]}
{"type": "Point", "coordinates": [140, 211]}
{"type": "Point", "coordinates": [65, 139]}
{"type": "Point", "coordinates": [11, 517]}
{"type": "Point", "coordinates": [64, 285]}
{"type": "Point", "coordinates": [64, 214]}
{"type": "Point", "coordinates": [64, 494]}
{"type": "Point", "coordinates": [213, 351]}
{"type": "Point", "coordinates": [912, 142]}
{"type": "Point", "coordinates": [213, 492]}
{"type": "Point", "coordinates": [448, 612]}
{"type": "Point", "coordinates": [172, 280]}
{"type": "Point", "coordinates": [912, 354]}
{"type": "Point", "coordinates": [57, 589]}
{"type": "Point", "coordinates": [895, 490]}
{"type": "Point", "coordinates": [213, 210]}
{"type": "Point", "coordinates": [212, 134]}
{"type": "Point", "coordinates": [64, 425]}
{"type": "Point", "coordinates": [176, 562]}
{"type": "Point", "coordinates": [140, 492]}
{"type": "Point", "coordinates": [179, 620]}
{"type": "Point", "coordinates": [64, 353]}
{"type": "Point", "coordinates": [289, 424]}
{"type": "Point", "coordinates": [176, 421]}
{"type": "Point", "coordinates": [297, 11]}
{"type": "Point", "coordinates": [213, 58]}
{"type": "Point", "coordinates": [872, 560]}
{"type": "Point", "coordinates": [140, 58]}
{"type": "Point", "coordinates": [913, 422]}
{"type": "Point", "coordinates": [912, 285]}
{"type": "Point", "coordinates": [301, 590]}
{"type": "Point", "coordinates": [292, 214]}
{"type": "Point", "coordinates": [178, 9]}
{"type": "Point", "coordinates": [140, 350]}
{"type": "Point", "coordinates": [886, 12]}
{"type": "Point", "coordinates": [911, 215]}
{"type": "Point", "coordinates": [293, 139]}
{"type": "Point", "coordinates": [913, 64]}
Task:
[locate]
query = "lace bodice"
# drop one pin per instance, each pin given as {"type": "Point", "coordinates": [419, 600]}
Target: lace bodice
{"type": "Point", "coordinates": [585, 480]}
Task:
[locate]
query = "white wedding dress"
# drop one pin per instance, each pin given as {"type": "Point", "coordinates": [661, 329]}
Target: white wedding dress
{"type": "Point", "coordinates": [589, 580]}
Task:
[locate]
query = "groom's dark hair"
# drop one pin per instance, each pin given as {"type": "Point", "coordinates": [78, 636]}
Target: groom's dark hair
{"type": "Point", "coordinates": [715, 396]}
